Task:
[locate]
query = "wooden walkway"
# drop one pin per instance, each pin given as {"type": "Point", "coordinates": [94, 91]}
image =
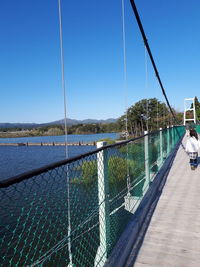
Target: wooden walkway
{"type": "Point", "coordinates": [173, 235]}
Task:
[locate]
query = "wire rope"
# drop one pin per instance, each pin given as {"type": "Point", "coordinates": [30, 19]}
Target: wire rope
{"type": "Point", "coordinates": [65, 119]}
{"type": "Point", "coordinates": [125, 67]}
{"type": "Point", "coordinates": [153, 62]}
{"type": "Point", "coordinates": [125, 89]}
{"type": "Point", "coordinates": [157, 115]}
{"type": "Point", "coordinates": [63, 75]}
{"type": "Point", "coordinates": [150, 55]}
{"type": "Point", "coordinates": [146, 88]}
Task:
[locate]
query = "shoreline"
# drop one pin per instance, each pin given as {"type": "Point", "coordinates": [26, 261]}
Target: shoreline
{"type": "Point", "coordinates": [18, 134]}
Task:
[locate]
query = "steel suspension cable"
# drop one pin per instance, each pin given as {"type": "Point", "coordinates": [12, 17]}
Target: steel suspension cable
{"type": "Point", "coordinates": [125, 68]}
{"type": "Point", "coordinates": [153, 62]}
{"type": "Point", "coordinates": [63, 75]}
{"type": "Point", "coordinates": [150, 54]}
{"type": "Point", "coordinates": [66, 146]}
{"type": "Point", "coordinates": [125, 90]}
{"type": "Point", "coordinates": [146, 88]}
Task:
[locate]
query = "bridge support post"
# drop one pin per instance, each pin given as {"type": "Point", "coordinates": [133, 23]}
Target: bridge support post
{"type": "Point", "coordinates": [104, 209]}
{"type": "Point", "coordinates": [168, 140]}
{"type": "Point", "coordinates": [173, 141]}
{"type": "Point", "coordinates": [146, 155]}
{"type": "Point", "coordinates": [161, 147]}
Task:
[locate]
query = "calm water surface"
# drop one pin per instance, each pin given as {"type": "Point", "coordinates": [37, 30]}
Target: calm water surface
{"type": "Point", "coordinates": [16, 160]}
{"type": "Point", "coordinates": [70, 138]}
{"type": "Point", "coordinates": [34, 213]}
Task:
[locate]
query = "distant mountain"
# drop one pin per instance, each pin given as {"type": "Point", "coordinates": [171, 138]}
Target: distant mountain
{"type": "Point", "coordinates": [18, 125]}
{"type": "Point", "coordinates": [99, 121]}
{"type": "Point", "coordinates": [69, 122]}
{"type": "Point", "coordinates": [87, 121]}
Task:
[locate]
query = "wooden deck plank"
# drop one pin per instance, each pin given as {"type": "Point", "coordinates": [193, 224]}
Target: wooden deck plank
{"type": "Point", "coordinates": [173, 235]}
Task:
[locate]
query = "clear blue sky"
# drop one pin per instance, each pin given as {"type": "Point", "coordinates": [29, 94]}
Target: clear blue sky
{"type": "Point", "coordinates": [30, 72]}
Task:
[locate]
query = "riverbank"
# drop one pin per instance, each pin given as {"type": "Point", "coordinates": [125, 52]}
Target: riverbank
{"type": "Point", "coordinates": [35, 134]}
{"type": "Point", "coordinates": [19, 134]}
{"type": "Point", "coordinates": [17, 157]}
{"type": "Point", "coordinates": [58, 130]}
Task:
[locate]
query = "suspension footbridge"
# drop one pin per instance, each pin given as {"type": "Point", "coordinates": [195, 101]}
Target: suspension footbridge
{"type": "Point", "coordinates": [173, 236]}
{"type": "Point", "coordinates": [130, 203]}
{"type": "Point", "coordinates": [107, 189]}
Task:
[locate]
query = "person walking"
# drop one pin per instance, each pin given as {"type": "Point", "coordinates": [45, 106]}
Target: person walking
{"type": "Point", "coordinates": [192, 147]}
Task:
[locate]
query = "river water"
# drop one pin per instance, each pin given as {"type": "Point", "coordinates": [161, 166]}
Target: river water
{"type": "Point", "coordinates": [34, 213]}
{"type": "Point", "coordinates": [15, 160]}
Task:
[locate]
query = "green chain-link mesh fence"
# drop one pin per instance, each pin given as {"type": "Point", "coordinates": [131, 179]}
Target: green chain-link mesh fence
{"type": "Point", "coordinates": [73, 213]}
{"type": "Point", "coordinates": [198, 129]}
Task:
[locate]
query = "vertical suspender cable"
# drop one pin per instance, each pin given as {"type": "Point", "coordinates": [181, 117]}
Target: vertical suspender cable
{"type": "Point", "coordinates": [125, 69]}
{"type": "Point", "coordinates": [150, 54]}
{"type": "Point", "coordinates": [66, 147]}
{"type": "Point", "coordinates": [152, 61]}
{"type": "Point", "coordinates": [146, 87]}
{"type": "Point", "coordinates": [63, 77]}
{"type": "Point", "coordinates": [157, 116]}
{"type": "Point", "coordinates": [125, 91]}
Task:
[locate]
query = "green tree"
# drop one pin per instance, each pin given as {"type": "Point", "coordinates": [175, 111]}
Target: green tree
{"type": "Point", "coordinates": [146, 114]}
{"type": "Point", "coordinates": [54, 131]}
{"type": "Point", "coordinates": [197, 107]}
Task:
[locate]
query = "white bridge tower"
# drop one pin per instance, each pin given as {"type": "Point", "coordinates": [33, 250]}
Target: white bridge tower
{"type": "Point", "coordinates": [189, 104]}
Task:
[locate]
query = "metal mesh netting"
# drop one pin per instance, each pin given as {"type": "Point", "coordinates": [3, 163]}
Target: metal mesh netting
{"type": "Point", "coordinates": [198, 129]}
{"type": "Point", "coordinates": [154, 154]}
{"type": "Point", "coordinates": [75, 213]}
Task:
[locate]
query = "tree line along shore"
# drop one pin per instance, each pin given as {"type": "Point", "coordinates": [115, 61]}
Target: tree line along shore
{"type": "Point", "coordinates": [147, 114]}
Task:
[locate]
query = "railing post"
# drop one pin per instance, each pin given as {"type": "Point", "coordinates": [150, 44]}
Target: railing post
{"type": "Point", "coordinates": [173, 141]}
{"type": "Point", "coordinates": [146, 156]}
{"type": "Point", "coordinates": [161, 147]}
{"type": "Point", "coordinates": [104, 210]}
{"type": "Point", "coordinates": [168, 141]}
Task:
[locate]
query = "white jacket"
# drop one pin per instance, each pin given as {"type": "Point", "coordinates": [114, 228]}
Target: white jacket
{"type": "Point", "coordinates": [192, 145]}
